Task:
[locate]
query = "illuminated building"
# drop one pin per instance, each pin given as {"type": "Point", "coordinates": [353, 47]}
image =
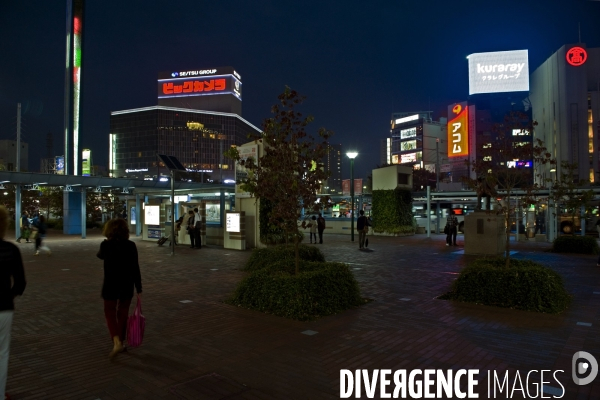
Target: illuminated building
{"type": "Point", "coordinates": [197, 119]}
{"type": "Point", "coordinates": [565, 96]}
{"type": "Point", "coordinates": [333, 164]}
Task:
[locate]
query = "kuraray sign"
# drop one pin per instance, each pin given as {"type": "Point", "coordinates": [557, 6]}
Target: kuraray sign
{"type": "Point", "coordinates": [501, 71]}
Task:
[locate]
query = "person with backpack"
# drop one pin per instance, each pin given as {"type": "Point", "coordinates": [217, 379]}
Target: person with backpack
{"type": "Point", "coordinates": [362, 226]}
{"type": "Point", "coordinates": [320, 227]}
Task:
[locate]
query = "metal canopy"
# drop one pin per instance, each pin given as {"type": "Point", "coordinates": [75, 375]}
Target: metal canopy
{"type": "Point", "coordinates": [138, 185]}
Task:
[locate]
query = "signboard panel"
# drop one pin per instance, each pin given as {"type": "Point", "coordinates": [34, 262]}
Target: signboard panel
{"type": "Point", "coordinates": [458, 130]}
{"type": "Point", "coordinates": [199, 86]}
{"type": "Point", "coordinates": [60, 165]}
{"type": "Point", "coordinates": [233, 222]}
{"type": "Point", "coordinates": [152, 215]}
{"type": "Point", "coordinates": [358, 186]}
{"type": "Point", "coordinates": [408, 133]}
{"type": "Point", "coordinates": [86, 161]}
{"type": "Point", "coordinates": [497, 72]}
{"type": "Point", "coordinates": [346, 187]}
{"type": "Point", "coordinates": [408, 145]}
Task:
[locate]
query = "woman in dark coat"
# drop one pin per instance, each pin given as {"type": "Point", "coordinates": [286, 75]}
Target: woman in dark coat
{"type": "Point", "coordinates": [121, 274]}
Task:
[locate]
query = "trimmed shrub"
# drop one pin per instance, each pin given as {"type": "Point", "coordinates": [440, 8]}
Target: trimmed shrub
{"type": "Point", "coordinates": [392, 211]}
{"type": "Point", "coordinates": [321, 288]}
{"type": "Point", "coordinates": [525, 285]}
{"type": "Point", "coordinates": [576, 244]}
{"type": "Point", "coordinates": [54, 223]}
{"type": "Point", "coordinates": [262, 258]}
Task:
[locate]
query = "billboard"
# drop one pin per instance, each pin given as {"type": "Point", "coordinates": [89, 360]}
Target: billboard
{"type": "Point", "coordinates": [222, 80]}
{"type": "Point", "coordinates": [60, 165]}
{"type": "Point", "coordinates": [458, 130]}
{"type": "Point", "coordinates": [232, 222]}
{"type": "Point", "coordinates": [497, 72]}
{"type": "Point", "coordinates": [86, 162]}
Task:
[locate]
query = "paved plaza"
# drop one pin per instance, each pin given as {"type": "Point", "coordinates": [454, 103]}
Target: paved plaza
{"type": "Point", "coordinates": [197, 347]}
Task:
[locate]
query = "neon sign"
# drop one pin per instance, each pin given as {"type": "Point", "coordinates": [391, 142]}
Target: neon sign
{"type": "Point", "coordinates": [408, 133]}
{"type": "Point", "coordinates": [194, 86]}
{"type": "Point", "coordinates": [458, 133]}
{"type": "Point", "coordinates": [576, 56]}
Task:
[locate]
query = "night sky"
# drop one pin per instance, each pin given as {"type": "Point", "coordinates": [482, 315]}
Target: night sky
{"type": "Point", "coordinates": [357, 62]}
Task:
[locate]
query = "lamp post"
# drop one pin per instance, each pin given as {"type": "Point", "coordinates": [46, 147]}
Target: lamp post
{"type": "Point", "coordinates": [352, 155]}
{"type": "Point", "coordinates": [552, 213]}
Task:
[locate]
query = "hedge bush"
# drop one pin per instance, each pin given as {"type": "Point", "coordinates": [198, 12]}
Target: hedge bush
{"type": "Point", "coordinates": [525, 285]}
{"type": "Point", "coordinates": [262, 258]}
{"type": "Point", "coordinates": [320, 289]}
{"type": "Point", "coordinates": [392, 211]}
{"type": "Point", "coordinates": [576, 244]}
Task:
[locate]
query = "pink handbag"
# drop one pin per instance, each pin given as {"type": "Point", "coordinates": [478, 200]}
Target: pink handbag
{"type": "Point", "coordinates": [135, 326]}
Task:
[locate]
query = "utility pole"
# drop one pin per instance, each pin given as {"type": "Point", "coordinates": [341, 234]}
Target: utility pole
{"type": "Point", "coordinates": [18, 167]}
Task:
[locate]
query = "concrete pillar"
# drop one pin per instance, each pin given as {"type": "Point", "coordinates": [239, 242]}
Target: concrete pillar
{"type": "Point", "coordinates": [83, 212]}
{"type": "Point", "coordinates": [18, 211]}
{"type": "Point", "coordinates": [138, 212]}
{"type": "Point", "coordinates": [71, 213]}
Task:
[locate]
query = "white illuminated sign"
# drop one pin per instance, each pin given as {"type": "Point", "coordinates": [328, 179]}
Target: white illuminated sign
{"type": "Point", "coordinates": [407, 119]}
{"type": "Point", "coordinates": [408, 133]}
{"type": "Point", "coordinates": [151, 215]}
{"type": "Point", "coordinates": [500, 71]}
{"type": "Point", "coordinates": [410, 157]}
{"type": "Point", "coordinates": [520, 132]}
{"type": "Point", "coordinates": [137, 170]}
{"type": "Point", "coordinates": [233, 222]}
{"type": "Point", "coordinates": [181, 199]}
{"type": "Point", "coordinates": [408, 145]}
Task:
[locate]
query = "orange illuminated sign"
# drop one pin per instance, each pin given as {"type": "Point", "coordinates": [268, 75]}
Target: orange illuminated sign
{"type": "Point", "coordinates": [576, 56]}
{"type": "Point", "coordinates": [458, 132]}
{"type": "Point", "coordinates": [193, 86]}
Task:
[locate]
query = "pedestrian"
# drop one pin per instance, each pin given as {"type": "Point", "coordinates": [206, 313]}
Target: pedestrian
{"type": "Point", "coordinates": [121, 274]}
{"type": "Point", "coordinates": [178, 224]}
{"type": "Point", "coordinates": [313, 229]}
{"type": "Point", "coordinates": [41, 228]}
{"type": "Point", "coordinates": [452, 225]}
{"type": "Point", "coordinates": [362, 226]}
{"type": "Point", "coordinates": [538, 223]}
{"type": "Point", "coordinates": [320, 227]}
{"type": "Point", "coordinates": [25, 228]}
{"type": "Point", "coordinates": [190, 227]}
{"type": "Point", "coordinates": [197, 226]}
{"type": "Point", "coordinates": [12, 284]}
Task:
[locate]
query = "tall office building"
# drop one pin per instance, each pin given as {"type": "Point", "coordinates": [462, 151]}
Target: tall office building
{"type": "Point", "coordinates": [565, 96]}
{"type": "Point", "coordinates": [333, 164]}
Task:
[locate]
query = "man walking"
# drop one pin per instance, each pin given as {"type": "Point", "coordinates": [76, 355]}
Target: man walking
{"type": "Point", "coordinates": [320, 227]}
{"type": "Point", "coordinates": [25, 228]}
{"type": "Point", "coordinates": [452, 224]}
{"type": "Point", "coordinates": [362, 226]}
{"type": "Point", "coordinates": [197, 226]}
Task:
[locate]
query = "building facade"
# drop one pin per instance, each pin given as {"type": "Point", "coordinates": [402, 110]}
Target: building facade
{"type": "Point", "coordinates": [8, 155]}
{"type": "Point", "coordinates": [198, 138]}
{"type": "Point", "coordinates": [333, 164]}
{"type": "Point", "coordinates": [565, 96]}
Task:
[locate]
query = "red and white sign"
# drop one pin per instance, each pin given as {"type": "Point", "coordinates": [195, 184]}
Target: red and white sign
{"type": "Point", "coordinates": [458, 130]}
{"type": "Point", "coordinates": [576, 56]}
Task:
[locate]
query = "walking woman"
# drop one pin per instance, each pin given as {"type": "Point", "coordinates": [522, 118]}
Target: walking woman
{"type": "Point", "coordinates": [12, 284]}
{"type": "Point", "coordinates": [121, 274]}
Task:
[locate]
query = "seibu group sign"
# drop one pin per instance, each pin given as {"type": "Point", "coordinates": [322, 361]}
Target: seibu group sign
{"type": "Point", "coordinates": [203, 82]}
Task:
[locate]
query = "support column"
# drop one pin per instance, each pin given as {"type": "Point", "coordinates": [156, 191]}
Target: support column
{"type": "Point", "coordinates": [202, 213]}
{"type": "Point", "coordinates": [71, 213]}
{"type": "Point", "coordinates": [582, 219]}
{"type": "Point", "coordinates": [138, 212]}
{"type": "Point", "coordinates": [222, 205]}
{"type": "Point", "coordinates": [83, 213]}
{"type": "Point", "coordinates": [18, 211]}
{"type": "Point", "coordinates": [429, 212]}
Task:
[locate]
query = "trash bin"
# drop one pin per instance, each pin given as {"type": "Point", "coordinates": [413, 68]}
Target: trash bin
{"type": "Point", "coordinates": [531, 232]}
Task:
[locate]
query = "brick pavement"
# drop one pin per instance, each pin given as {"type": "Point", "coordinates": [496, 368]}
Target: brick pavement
{"type": "Point", "coordinates": [206, 349]}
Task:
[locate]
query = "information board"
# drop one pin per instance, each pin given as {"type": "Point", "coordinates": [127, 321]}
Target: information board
{"type": "Point", "coordinates": [233, 222]}
{"type": "Point", "coordinates": [152, 215]}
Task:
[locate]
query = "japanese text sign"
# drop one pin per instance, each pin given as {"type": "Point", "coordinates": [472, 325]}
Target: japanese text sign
{"type": "Point", "coordinates": [501, 71]}
{"type": "Point", "coordinates": [458, 130]}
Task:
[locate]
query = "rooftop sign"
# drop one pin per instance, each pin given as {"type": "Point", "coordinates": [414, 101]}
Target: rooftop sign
{"type": "Point", "coordinates": [500, 71]}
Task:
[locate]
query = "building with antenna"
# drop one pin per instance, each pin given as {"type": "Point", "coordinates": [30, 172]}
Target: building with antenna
{"type": "Point", "coordinates": [8, 155]}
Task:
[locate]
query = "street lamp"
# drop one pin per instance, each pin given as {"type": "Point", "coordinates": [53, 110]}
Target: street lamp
{"type": "Point", "coordinates": [352, 155]}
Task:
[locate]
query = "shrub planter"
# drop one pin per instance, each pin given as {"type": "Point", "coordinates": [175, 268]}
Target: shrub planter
{"type": "Point", "coordinates": [575, 244]}
{"type": "Point", "coordinates": [525, 285]}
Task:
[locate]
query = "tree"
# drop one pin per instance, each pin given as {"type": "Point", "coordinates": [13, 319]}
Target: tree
{"type": "Point", "coordinates": [501, 165]}
{"type": "Point", "coordinates": [51, 200]}
{"type": "Point", "coordinates": [569, 191]}
{"type": "Point", "coordinates": [290, 173]}
{"type": "Point", "coordinates": [422, 178]}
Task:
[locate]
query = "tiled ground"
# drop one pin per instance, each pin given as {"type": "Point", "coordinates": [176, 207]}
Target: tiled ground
{"type": "Point", "coordinates": [205, 349]}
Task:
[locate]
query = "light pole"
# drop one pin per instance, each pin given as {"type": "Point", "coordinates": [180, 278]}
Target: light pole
{"type": "Point", "coordinates": [352, 155]}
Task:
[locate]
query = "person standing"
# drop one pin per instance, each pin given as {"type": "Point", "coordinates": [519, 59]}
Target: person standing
{"type": "Point", "coordinates": [320, 227]}
{"type": "Point", "coordinates": [121, 275]}
{"type": "Point", "coordinates": [12, 284]}
{"type": "Point", "coordinates": [25, 231]}
{"type": "Point", "coordinates": [313, 230]}
{"type": "Point", "coordinates": [41, 227]}
{"type": "Point", "coordinates": [190, 227]}
{"type": "Point", "coordinates": [452, 224]}
{"type": "Point", "coordinates": [362, 226]}
{"type": "Point", "coordinates": [197, 226]}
